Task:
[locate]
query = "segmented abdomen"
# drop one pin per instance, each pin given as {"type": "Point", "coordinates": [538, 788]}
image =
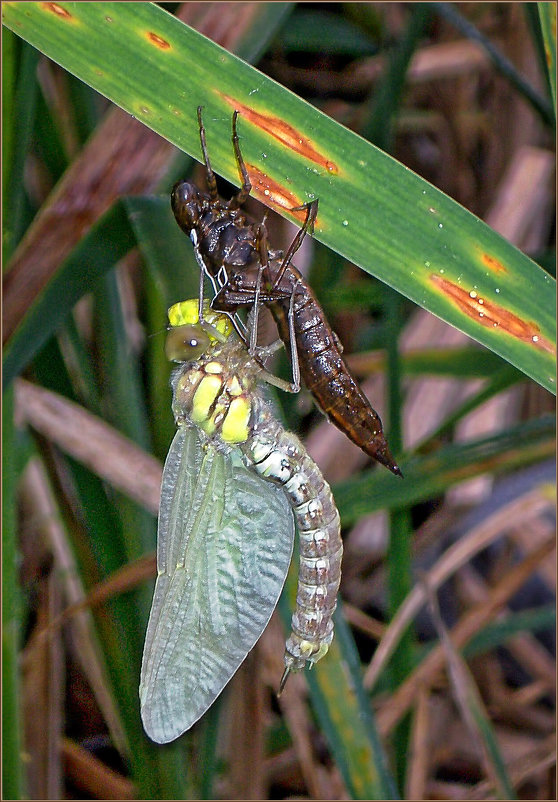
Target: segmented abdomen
{"type": "Point", "coordinates": [279, 456]}
{"type": "Point", "coordinates": [325, 373]}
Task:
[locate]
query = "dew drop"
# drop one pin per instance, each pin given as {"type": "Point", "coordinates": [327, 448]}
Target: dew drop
{"type": "Point", "coordinates": [472, 294]}
{"type": "Point", "coordinates": [345, 222]}
{"type": "Point", "coordinates": [535, 338]}
{"type": "Point", "coordinates": [497, 289]}
{"type": "Point", "coordinates": [440, 225]}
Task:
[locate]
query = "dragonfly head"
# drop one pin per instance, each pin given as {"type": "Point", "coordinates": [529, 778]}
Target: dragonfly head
{"type": "Point", "coordinates": [187, 339]}
{"type": "Point", "coordinates": [186, 343]}
{"type": "Point", "coordinates": [187, 205]}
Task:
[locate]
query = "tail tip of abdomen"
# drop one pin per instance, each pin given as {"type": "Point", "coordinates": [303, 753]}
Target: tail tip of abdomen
{"type": "Point", "coordinates": [384, 457]}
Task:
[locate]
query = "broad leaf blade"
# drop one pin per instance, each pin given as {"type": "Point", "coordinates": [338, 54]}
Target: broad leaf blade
{"type": "Point", "coordinates": [372, 210]}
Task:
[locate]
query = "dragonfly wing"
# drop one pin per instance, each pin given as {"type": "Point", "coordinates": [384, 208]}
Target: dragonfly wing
{"type": "Point", "coordinates": [225, 541]}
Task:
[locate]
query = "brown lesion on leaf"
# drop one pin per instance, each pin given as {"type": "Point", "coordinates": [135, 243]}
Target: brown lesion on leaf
{"type": "Point", "coordinates": [272, 193]}
{"type": "Point", "coordinates": [58, 10]}
{"type": "Point", "coordinates": [285, 133]}
{"type": "Point", "coordinates": [493, 264]}
{"type": "Point", "coordinates": [158, 41]}
{"type": "Point", "coordinates": [492, 315]}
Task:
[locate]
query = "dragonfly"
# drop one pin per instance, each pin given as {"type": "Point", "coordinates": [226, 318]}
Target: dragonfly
{"type": "Point", "coordinates": [234, 483]}
{"type": "Point", "coordinates": [235, 255]}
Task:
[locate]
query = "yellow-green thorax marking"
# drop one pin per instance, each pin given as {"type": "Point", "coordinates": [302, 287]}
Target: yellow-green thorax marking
{"type": "Point", "coordinates": [215, 391]}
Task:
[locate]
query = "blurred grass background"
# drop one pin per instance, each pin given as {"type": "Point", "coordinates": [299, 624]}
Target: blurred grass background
{"type": "Point", "coordinates": [441, 681]}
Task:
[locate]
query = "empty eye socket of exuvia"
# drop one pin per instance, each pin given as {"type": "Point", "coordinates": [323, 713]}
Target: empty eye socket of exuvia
{"type": "Point", "coordinates": [185, 343]}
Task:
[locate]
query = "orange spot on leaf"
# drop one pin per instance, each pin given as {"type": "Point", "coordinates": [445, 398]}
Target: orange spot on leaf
{"type": "Point", "coordinates": [493, 315]}
{"type": "Point", "coordinates": [284, 133]}
{"type": "Point", "coordinates": [158, 41]}
{"type": "Point", "coordinates": [58, 10]}
{"type": "Point", "coordinates": [493, 264]}
{"type": "Point", "coordinates": [270, 191]}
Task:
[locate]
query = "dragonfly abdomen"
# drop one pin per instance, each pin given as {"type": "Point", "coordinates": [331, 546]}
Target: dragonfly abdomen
{"type": "Point", "coordinates": [279, 456]}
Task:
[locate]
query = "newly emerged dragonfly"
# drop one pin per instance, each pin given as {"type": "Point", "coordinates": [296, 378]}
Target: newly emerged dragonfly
{"type": "Point", "coordinates": [234, 482]}
{"type": "Point", "coordinates": [234, 253]}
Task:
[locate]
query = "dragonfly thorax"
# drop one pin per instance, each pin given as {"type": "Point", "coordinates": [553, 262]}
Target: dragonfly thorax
{"type": "Point", "coordinates": [218, 393]}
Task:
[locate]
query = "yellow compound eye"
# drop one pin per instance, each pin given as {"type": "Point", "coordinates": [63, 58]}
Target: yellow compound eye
{"type": "Point", "coordinates": [186, 312]}
{"type": "Point", "coordinates": [185, 343]}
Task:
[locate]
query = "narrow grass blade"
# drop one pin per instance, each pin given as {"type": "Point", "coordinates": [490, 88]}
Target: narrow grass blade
{"type": "Point", "coordinates": [547, 13]}
{"type": "Point", "coordinates": [12, 775]}
{"type": "Point", "coordinates": [105, 244]}
{"type": "Point", "coordinates": [429, 476]}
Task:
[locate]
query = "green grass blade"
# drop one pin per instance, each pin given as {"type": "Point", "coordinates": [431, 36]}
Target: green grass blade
{"type": "Point", "coordinates": [467, 362]}
{"type": "Point", "coordinates": [167, 252]}
{"type": "Point", "coordinates": [322, 32]}
{"type": "Point", "coordinates": [500, 61]}
{"type": "Point", "coordinates": [373, 210]}
{"type": "Point", "coordinates": [343, 709]}
{"type": "Point", "coordinates": [10, 44]}
{"type": "Point", "coordinates": [12, 775]}
{"type": "Point", "coordinates": [16, 136]}
{"type": "Point", "coordinates": [502, 379]}
{"type": "Point", "coordinates": [49, 144]}
{"type": "Point", "coordinates": [399, 553]}
{"type": "Point", "coordinates": [254, 40]}
{"type": "Point", "coordinates": [124, 401]}
{"type": "Point", "coordinates": [107, 242]}
{"type": "Point", "coordinates": [171, 276]}
{"type": "Point", "coordinates": [385, 103]}
{"type": "Point", "coordinates": [500, 631]}
{"type": "Point", "coordinates": [427, 477]}
{"type": "Point", "coordinates": [547, 14]}
{"type": "Point", "coordinates": [468, 699]}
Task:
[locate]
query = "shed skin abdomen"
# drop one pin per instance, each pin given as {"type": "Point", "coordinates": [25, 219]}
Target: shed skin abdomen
{"type": "Point", "coordinates": [327, 376]}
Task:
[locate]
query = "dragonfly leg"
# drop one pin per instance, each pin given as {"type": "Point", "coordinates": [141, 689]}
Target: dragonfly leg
{"type": "Point", "coordinates": [275, 381]}
{"type": "Point", "coordinates": [209, 174]}
{"type": "Point", "coordinates": [307, 228]}
{"type": "Point", "coordinates": [294, 354]}
{"type": "Point", "coordinates": [263, 255]}
{"type": "Point", "coordinates": [242, 196]}
{"type": "Point", "coordinates": [283, 681]}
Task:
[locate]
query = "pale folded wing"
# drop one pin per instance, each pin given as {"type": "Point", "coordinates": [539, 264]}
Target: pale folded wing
{"type": "Point", "coordinates": [224, 545]}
